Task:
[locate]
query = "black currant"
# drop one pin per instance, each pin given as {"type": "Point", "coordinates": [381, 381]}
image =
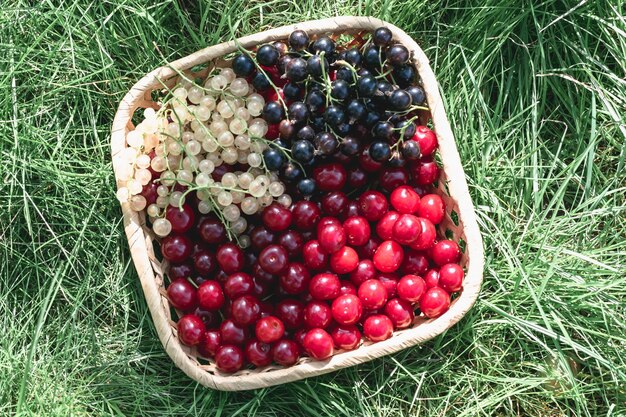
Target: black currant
{"type": "Point", "coordinates": [371, 118]}
{"type": "Point", "coordinates": [296, 69]}
{"type": "Point", "coordinates": [298, 40]}
{"type": "Point", "coordinates": [404, 75]}
{"type": "Point", "coordinates": [400, 100]}
{"type": "Point", "coordinates": [411, 150]}
{"type": "Point", "coordinates": [273, 112]}
{"type": "Point", "coordinates": [316, 100]}
{"type": "Point", "coordinates": [382, 131]}
{"type": "Point", "coordinates": [353, 57]}
{"type": "Point", "coordinates": [291, 172]}
{"type": "Point", "coordinates": [343, 129]}
{"type": "Point", "coordinates": [281, 47]}
{"type": "Point", "coordinates": [334, 115]}
{"type": "Point", "coordinates": [292, 91]}
{"type": "Point", "coordinates": [326, 143]}
{"type": "Point", "coordinates": [406, 126]}
{"type": "Point", "coordinates": [286, 130]}
{"type": "Point", "coordinates": [356, 110]}
{"type": "Point", "coordinates": [274, 159]}
{"type": "Point", "coordinates": [380, 151]}
{"type": "Point", "coordinates": [367, 86]}
{"type": "Point", "coordinates": [298, 112]}
{"type": "Point", "coordinates": [397, 55]}
{"type": "Point", "coordinates": [350, 146]}
{"type": "Point", "coordinates": [318, 123]}
{"type": "Point", "coordinates": [283, 61]}
{"type": "Point", "coordinates": [306, 133]}
{"type": "Point", "coordinates": [306, 186]}
{"type": "Point", "coordinates": [418, 95]}
{"type": "Point", "coordinates": [303, 151]}
{"type": "Point", "coordinates": [382, 36]}
{"type": "Point", "coordinates": [346, 74]}
{"type": "Point", "coordinates": [261, 82]}
{"type": "Point", "coordinates": [267, 55]}
{"type": "Point", "coordinates": [340, 90]}
{"type": "Point", "coordinates": [373, 57]}
{"type": "Point", "coordinates": [317, 66]}
{"type": "Point", "coordinates": [243, 65]}
{"type": "Point", "coordinates": [323, 44]}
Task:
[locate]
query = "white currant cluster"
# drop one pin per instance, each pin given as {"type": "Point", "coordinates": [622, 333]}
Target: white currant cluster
{"type": "Point", "coordinates": [186, 142]}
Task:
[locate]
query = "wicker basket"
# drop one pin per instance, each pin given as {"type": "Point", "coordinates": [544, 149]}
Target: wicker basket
{"type": "Point", "coordinates": [452, 187]}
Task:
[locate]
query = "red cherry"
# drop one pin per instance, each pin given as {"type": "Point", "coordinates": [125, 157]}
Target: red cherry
{"type": "Point", "coordinates": [182, 295]}
{"type": "Point", "coordinates": [306, 215]}
{"type": "Point", "coordinates": [405, 200]}
{"type": "Point", "coordinates": [324, 286]}
{"type": "Point", "coordinates": [427, 237]}
{"type": "Point", "coordinates": [334, 204]}
{"type": "Point", "coordinates": [347, 309]}
{"type": "Point", "coordinates": [330, 177]}
{"type": "Point", "coordinates": [431, 278]}
{"type": "Point", "coordinates": [313, 255]}
{"type": "Point", "coordinates": [451, 277]}
{"type": "Point", "coordinates": [286, 352]}
{"type": "Point", "coordinates": [367, 163]}
{"type": "Point", "coordinates": [415, 262]}
{"type": "Point", "coordinates": [372, 205]}
{"type": "Point", "coordinates": [298, 337]}
{"type": "Point", "coordinates": [212, 231]}
{"type": "Point", "coordinates": [377, 327]}
{"type": "Point", "coordinates": [347, 288]}
{"type": "Point", "coordinates": [384, 227]}
{"type": "Point", "coordinates": [176, 248]}
{"type": "Point", "coordinates": [245, 310]}
{"type": "Point", "coordinates": [352, 210]}
{"type": "Point", "coordinates": [291, 313]}
{"type": "Point", "coordinates": [190, 329]}
{"type": "Point", "coordinates": [327, 221]}
{"type": "Point", "coordinates": [391, 178]}
{"type": "Point", "coordinates": [432, 207]}
{"type": "Point", "coordinates": [232, 333]}
{"type": "Point", "coordinates": [276, 217]}
{"type": "Point", "coordinates": [273, 259]}
{"type": "Point", "coordinates": [343, 261]}
{"type": "Point", "coordinates": [183, 270]}
{"type": "Point", "coordinates": [182, 220]}
{"type": "Point", "coordinates": [400, 313]}
{"type": "Point", "coordinates": [368, 250]}
{"type": "Point", "coordinates": [238, 284]}
{"type": "Point", "coordinates": [204, 262]}
{"type": "Point", "coordinates": [388, 256]}
{"type": "Point", "coordinates": [407, 229]}
{"type": "Point", "coordinates": [357, 230]}
{"type": "Point", "coordinates": [318, 344]}
{"type": "Point", "coordinates": [229, 358]}
{"type": "Point", "coordinates": [426, 139]}
{"type": "Point", "coordinates": [372, 294]}
{"type": "Point", "coordinates": [292, 241]}
{"type": "Point", "coordinates": [209, 343]}
{"type": "Point", "coordinates": [295, 279]}
{"type": "Point", "coordinates": [261, 237]}
{"type": "Point", "coordinates": [210, 295]}
{"type": "Point", "coordinates": [149, 191]}
{"type": "Point", "coordinates": [331, 238]}
{"type": "Point", "coordinates": [411, 288]}
{"type": "Point", "coordinates": [269, 329]}
{"type": "Point", "coordinates": [258, 353]}
{"type": "Point", "coordinates": [357, 177]}
{"type": "Point", "coordinates": [317, 314]}
{"type": "Point", "coordinates": [263, 277]}
{"type": "Point", "coordinates": [346, 337]}
{"type": "Point", "coordinates": [390, 282]}
{"type": "Point", "coordinates": [435, 302]}
{"type": "Point", "coordinates": [230, 258]}
{"type": "Point", "coordinates": [364, 270]}
{"type": "Point", "coordinates": [425, 171]}
{"type": "Point", "coordinates": [446, 252]}
{"type": "Point", "coordinates": [209, 318]}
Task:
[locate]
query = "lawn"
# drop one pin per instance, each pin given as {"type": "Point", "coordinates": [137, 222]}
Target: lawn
{"type": "Point", "coordinates": [536, 96]}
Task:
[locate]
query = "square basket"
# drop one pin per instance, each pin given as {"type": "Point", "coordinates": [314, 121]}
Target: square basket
{"type": "Point", "coordinates": [452, 187]}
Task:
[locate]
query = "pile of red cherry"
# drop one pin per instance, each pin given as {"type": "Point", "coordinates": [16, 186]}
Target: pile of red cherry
{"type": "Point", "coordinates": [354, 257]}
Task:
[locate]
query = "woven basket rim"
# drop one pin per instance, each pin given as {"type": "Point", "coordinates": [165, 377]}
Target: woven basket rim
{"type": "Point", "coordinates": [140, 242]}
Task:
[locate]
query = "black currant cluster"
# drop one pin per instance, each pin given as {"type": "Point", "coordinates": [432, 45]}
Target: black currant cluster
{"type": "Point", "coordinates": [335, 102]}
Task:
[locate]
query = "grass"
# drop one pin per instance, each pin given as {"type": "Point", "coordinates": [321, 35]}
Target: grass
{"type": "Point", "coordinates": [535, 93]}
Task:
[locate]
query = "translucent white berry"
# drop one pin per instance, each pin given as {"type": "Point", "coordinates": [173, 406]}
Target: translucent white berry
{"type": "Point", "coordinates": [162, 227]}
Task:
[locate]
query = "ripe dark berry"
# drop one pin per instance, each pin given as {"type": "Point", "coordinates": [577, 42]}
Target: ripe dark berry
{"type": "Point", "coordinates": [330, 177]}
{"type": "Point", "coordinates": [418, 96]}
{"type": "Point", "coordinates": [306, 215]}
{"type": "Point", "coordinates": [292, 91]}
{"type": "Point", "coordinates": [373, 57]}
{"type": "Point", "coordinates": [298, 39]}
{"type": "Point", "coordinates": [232, 333]}
{"type": "Point", "coordinates": [296, 70]}
{"type": "Point", "coordinates": [315, 100]}
{"type": "Point", "coordinates": [334, 204]}
{"type": "Point", "coordinates": [210, 295]}
{"type": "Point", "coordinates": [373, 205]}
{"type": "Point", "coordinates": [380, 151]}
{"type": "Point", "coordinates": [340, 90]}
{"type": "Point", "coordinates": [303, 151]}
{"type": "Point", "coordinates": [411, 150]}
{"type": "Point", "coordinates": [324, 286]}
{"type": "Point", "coordinates": [332, 237]}
{"type": "Point", "coordinates": [334, 115]}
{"type": "Point", "coordinates": [276, 217]}
{"type": "Point", "coordinates": [261, 237]}
{"type": "Point", "coordinates": [295, 279]}
{"type": "Point", "coordinates": [356, 111]}
{"type": "Point", "coordinates": [298, 112]}
{"type": "Point", "coordinates": [353, 57]}
{"type": "Point", "coordinates": [323, 44]}
{"type": "Point", "coordinates": [229, 358]}
{"type": "Point", "coordinates": [350, 146]}
{"type": "Point", "coordinates": [273, 112]}
{"type": "Point", "coordinates": [382, 36]}
{"type": "Point", "coordinates": [176, 248]}
{"type": "Point", "coordinates": [306, 186]}
{"type": "Point", "coordinates": [181, 220]}
{"type": "Point", "coordinates": [286, 352]}
{"type": "Point", "coordinates": [291, 172]}
{"type": "Point", "coordinates": [182, 295]}
{"type": "Point", "coordinates": [397, 55]}
{"type": "Point", "coordinates": [317, 314]}
{"type": "Point", "coordinates": [267, 55]}
{"type": "Point", "coordinates": [291, 313]}
{"type": "Point", "coordinates": [190, 329]}
{"type": "Point", "coordinates": [230, 258]}
{"type": "Point", "coordinates": [273, 259]}
{"type": "Point", "coordinates": [405, 75]}
{"type": "Point", "coordinates": [238, 284]}
{"type": "Point", "coordinates": [261, 82]}
{"type": "Point", "coordinates": [382, 131]}
{"type": "Point", "coordinates": [274, 159]}
{"type": "Point", "coordinates": [393, 177]}
{"type": "Point", "coordinates": [317, 66]}
{"type": "Point", "coordinates": [326, 143]}
{"type": "Point", "coordinates": [400, 100]}
{"type": "Point", "coordinates": [209, 343]}
{"type": "Point", "coordinates": [245, 310]}
{"type": "Point", "coordinates": [367, 86]}
{"type": "Point", "coordinates": [258, 353]}
{"type": "Point", "coordinates": [313, 255]}
{"type": "Point", "coordinates": [243, 65]}
{"type": "Point", "coordinates": [269, 329]}
{"type": "Point", "coordinates": [292, 241]}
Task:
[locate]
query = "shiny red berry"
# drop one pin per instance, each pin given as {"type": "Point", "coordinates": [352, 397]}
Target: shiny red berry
{"type": "Point", "coordinates": [238, 284]}
{"type": "Point", "coordinates": [368, 250]}
{"type": "Point", "coordinates": [344, 261]}
{"type": "Point", "coordinates": [176, 248]}
{"type": "Point", "coordinates": [400, 313]}
{"type": "Point", "coordinates": [411, 288]}
{"type": "Point", "coordinates": [388, 256]}
{"type": "Point", "coordinates": [245, 310]}
{"type": "Point", "coordinates": [372, 205]}
{"type": "Point", "coordinates": [190, 329]}
{"type": "Point", "coordinates": [292, 241]}
{"type": "Point", "coordinates": [274, 259]}
{"type": "Point", "coordinates": [324, 286]}
{"type": "Point", "coordinates": [291, 313]}
{"type": "Point", "coordinates": [330, 177]}
{"type": "Point", "coordinates": [390, 282]}
{"type": "Point", "coordinates": [427, 237]}
{"type": "Point", "coordinates": [232, 333]}
{"type": "Point", "coordinates": [295, 279]}
{"type": "Point", "coordinates": [405, 200]}
{"type": "Point", "coordinates": [182, 295]}
{"type": "Point", "coordinates": [181, 220]}
{"type": "Point", "coordinates": [346, 337]}
{"type": "Point", "coordinates": [269, 329]}
{"type": "Point", "coordinates": [229, 358]}
{"type": "Point", "coordinates": [347, 309]}
{"type": "Point", "coordinates": [406, 229]}
{"type": "Point", "coordinates": [446, 252]}
{"type": "Point", "coordinates": [209, 343]}
{"type": "Point", "coordinates": [183, 270]}
{"type": "Point", "coordinates": [435, 302]}
{"type": "Point", "coordinates": [364, 270]}
{"type": "Point", "coordinates": [317, 314]}
{"type": "Point", "coordinates": [425, 171]}
{"type": "Point", "coordinates": [204, 262]}
{"type": "Point", "coordinates": [318, 344]}
{"type": "Point", "coordinates": [451, 277]}
{"type": "Point", "coordinates": [261, 237]}
{"type": "Point", "coordinates": [377, 327]}
{"type": "Point", "coordinates": [258, 353]}
{"type": "Point", "coordinates": [391, 178]}
{"type": "Point", "coordinates": [426, 139]}
{"type": "Point", "coordinates": [357, 230]}
{"type": "Point", "coordinates": [210, 295]}
{"type": "Point", "coordinates": [331, 237]}
{"type": "Point", "coordinates": [415, 262]}
{"type": "Point", "coordinates": [230, 258]}
{"type": "Point", "coordinates": [212, 231]}
{"type": "Point", "coordinates": [384, 227]}
{"type": "Point", "coordinates": [373, 294]}
{"type": "Point", "coordinates": [286, 352]}
{"type": "Point", "coordinates": [432, 207]}
{"type": "Point", "coordinates": [276, 217]}
{"type": "Point", "coordinates": [306, 215]}
{"type": "Point", "coordinates": [431, 278]}
{"type": "Point", "coordinates": [335, 203]}
{"type": "Point", "coordinates": [347, 288]}
{"type": "Point", "coordinates": [313, 255]}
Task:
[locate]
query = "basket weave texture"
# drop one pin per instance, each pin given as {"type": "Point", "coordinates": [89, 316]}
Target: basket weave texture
{"type": "Point", "coordinates": [452, 187]}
